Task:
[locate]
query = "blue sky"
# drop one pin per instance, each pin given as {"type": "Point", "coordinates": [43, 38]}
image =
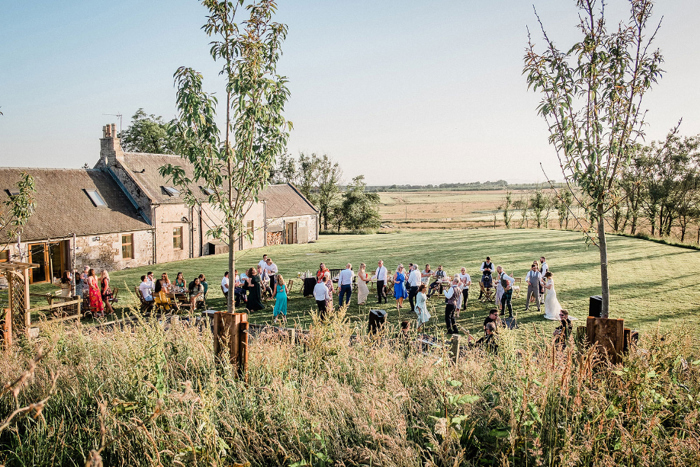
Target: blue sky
{"type": "Point", "coordinates": [401, 91]}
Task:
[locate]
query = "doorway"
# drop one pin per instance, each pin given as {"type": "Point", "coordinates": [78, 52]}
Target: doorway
{"type": "Point", "coordinates": [52, 258]}
{"type": "Point", "coordinates": [290, 233]}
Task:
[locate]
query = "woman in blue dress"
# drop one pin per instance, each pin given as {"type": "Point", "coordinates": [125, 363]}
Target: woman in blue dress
{"type": "Point", "coordinates": [280, 296]}
{"type": "Point", "coordinates": [400, 292]}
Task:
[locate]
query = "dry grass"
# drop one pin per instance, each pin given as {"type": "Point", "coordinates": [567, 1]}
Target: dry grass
{"type": "Point", "coordinates": [151, 396]}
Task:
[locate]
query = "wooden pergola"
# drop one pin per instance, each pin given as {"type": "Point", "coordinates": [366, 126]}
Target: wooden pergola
{"type": "Point", "coordinates": [17, 275]}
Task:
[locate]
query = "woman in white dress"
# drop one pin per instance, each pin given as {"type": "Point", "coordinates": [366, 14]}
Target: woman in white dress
{"type": "Point", "coordinates": [362, 289]}
{"type": "Point", "coordinates": [551, 304]}
{"type": "Point", "coordinates": [421, 307]}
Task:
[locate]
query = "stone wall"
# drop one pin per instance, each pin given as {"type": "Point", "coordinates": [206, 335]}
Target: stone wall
{"type": "Point", "coordinates": [105, 251]}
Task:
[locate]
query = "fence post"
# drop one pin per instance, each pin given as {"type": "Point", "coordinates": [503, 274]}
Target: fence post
{"type": "Point", "coordinates": [455, 348]}
{"type": "Point", "coordinates": [7, 331]}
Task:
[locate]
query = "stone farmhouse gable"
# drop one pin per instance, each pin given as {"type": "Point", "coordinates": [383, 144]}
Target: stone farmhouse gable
{"type": "Point", "coordinates": [290, 216]}
{"type": "Point", "coordinates": [82, 217]}
{"type": "Point", "coordinates": [180, 230]}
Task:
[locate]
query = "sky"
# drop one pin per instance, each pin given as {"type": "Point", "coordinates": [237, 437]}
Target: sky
{"type": "Point", "coordinates": [402, 91]}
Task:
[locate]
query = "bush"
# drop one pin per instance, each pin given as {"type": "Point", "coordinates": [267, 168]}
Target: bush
{"type": "Point", "coordinates": [149, 395]}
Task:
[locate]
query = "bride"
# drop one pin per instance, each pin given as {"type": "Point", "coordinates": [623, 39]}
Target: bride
{"type": "Point", "coordinates": [551, 304]}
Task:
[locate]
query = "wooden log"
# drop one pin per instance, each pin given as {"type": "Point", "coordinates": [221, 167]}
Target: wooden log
{"type": "Point", "coordinates": [608, 334]}
{"type": "Point", "coordinates": [231, 333]}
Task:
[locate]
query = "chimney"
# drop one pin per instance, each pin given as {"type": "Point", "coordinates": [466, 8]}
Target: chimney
{"type": "Point", "coordinates": [110, 147]}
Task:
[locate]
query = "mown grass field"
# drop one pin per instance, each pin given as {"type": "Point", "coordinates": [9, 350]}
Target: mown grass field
{"type": "Point", "coordinates": [651, 284]}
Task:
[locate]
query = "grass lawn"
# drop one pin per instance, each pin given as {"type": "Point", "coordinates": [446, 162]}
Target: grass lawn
{"type": "Point", "coordinates": [651, 283]}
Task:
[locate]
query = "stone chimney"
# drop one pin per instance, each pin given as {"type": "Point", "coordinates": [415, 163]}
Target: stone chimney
{"type": "Point", "coordinates": [110, 147]}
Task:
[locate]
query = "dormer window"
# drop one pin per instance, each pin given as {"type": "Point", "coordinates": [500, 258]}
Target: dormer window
{"type": "Point", "coordinates": [207, 191]}
{"type": "Point", "coordinates": [170, 191]}
{"type": "Point", "coordinates": [96, 198]}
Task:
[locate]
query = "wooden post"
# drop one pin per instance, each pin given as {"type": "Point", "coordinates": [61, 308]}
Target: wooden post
{"type": "Point", "coordinates": [455, 348]}
{"type": "Point", "coordinates": [231, 333]}
{"type": "Point", "coordinates": [7, 330]}
{"type": "Point", "coordinates": [609, 334]}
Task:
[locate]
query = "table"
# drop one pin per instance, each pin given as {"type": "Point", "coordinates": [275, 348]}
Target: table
{"type": "Point", "coordinates": [309, 284]}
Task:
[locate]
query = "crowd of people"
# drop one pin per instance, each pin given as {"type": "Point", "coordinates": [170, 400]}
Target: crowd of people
{"type": "Point", "coordinates": [407, 284]}
{"type": "Point", "coordinates": [95, 291]}
{"type": "Point", "coordinates": [413, 284]}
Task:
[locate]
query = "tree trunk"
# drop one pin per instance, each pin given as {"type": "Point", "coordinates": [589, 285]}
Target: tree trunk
{"type": "Point", "coordinates": [603, 246]}
{"type": "Point", "coordinates": [231, 268]}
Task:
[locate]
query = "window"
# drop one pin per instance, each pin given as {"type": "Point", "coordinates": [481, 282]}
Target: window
{"type": "Point", "coordinates": [207, 191]}
{"type": "Point", "coordinates": [96, 199]}
{"type": "Point", "coordinates": [177, 238]}
{"type": "Point", "coordinates": [4, 256]}
{"type": "Point", "coordinates": [170, 191]}
{"type": "Point", "coordinates": [251, 230]}
{"type": "Point", "coordinates": [128, 246]}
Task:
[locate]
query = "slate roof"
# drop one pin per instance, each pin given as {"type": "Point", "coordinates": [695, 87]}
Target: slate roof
{"type": "Point", "coordinates": [286, 201]}
{"type": "Point", "coordinates": [63, 207]}
{"type": "Point", "coordinates": [145, 168]}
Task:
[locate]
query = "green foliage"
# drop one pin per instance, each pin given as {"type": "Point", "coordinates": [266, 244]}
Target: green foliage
{"type": "Point", "coordinates": [358, 208]}
{"type": "Point", "coordinates": [669, 176]}
{"type": "Point", "coordinates": [18, 209]}
{"type": "Point", "coordinates": [150, 134]}
{"type": "Point", "coordinates": [538, 203]}
{"type": "Point", "coordinates": [317, 177]}
{"type": "Point", "coordinates": [563, 204]}
{"type": "Point", "coordinates": [233, 163]}
{"type": "Point", "coordinates": [591, 100]}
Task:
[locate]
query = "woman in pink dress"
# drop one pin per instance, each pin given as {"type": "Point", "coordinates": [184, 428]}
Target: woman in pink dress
{"type": "Point", "coordinates": [96, 304]}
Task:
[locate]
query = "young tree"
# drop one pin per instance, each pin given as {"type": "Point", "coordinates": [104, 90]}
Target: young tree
{"type": "Point", "coordinates": [591, 100]}
{"type": "Point", "coordinates": [507, 208]}
{"type": "Point", "coordinates": [233, 164]}
{"type": "Point", "coordinates": [329, 176]}
{"type": "Point", "coordinates": [148, 133]}
{"type": "Point", "coordinates": [563, 204]}
{"type": "Point", "coordinates": [18, 209]}
{"type": "Point", "coordinates": [538, 204]}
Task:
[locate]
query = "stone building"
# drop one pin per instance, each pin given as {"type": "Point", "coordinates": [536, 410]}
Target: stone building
{"type": "Point", "coordinates": [123, 213]}
{"type": "Point", "coordinates": [180, 230]}
{"type": "Point", "coordinates": [291, 218]}
{"type": "Point", "coordinates": [82, 217]}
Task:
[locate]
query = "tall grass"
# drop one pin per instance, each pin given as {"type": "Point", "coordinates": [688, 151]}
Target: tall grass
{"type": "Point", "coordinates": [155, 396]}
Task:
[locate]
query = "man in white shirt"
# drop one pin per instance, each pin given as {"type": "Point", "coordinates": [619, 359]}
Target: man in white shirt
{"type": "Point", "coordinates": [507, 283]}
{"type": "Point", "coordinates": [263, 262]}
{"type": "Point", "coordinates": [465, 281]}
{"type": "Point", "coordinates": [451, 305]}
{"type": "Point", "coordinates": [534, 279]}
{"type": "Point", "coordinates": [414, 280]}
{"type": "Point", "coordinates": [381, 282]}
{"type": "Point", "coordinates": [321, 296]}
{"type": "Point", "coordinates": [146, 289]}
{"type": "Point", "coordinates": [224, 284]}
{"type": "Point", "coordinates": [271, 269]}
{"type": "Point", "coordinates": [345, 284]}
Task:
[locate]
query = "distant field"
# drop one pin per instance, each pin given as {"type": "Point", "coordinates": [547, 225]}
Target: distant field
{"type": "Point", "coordinates": [443, 209]}
{"type": "Point", "coordinates": [651, 284]}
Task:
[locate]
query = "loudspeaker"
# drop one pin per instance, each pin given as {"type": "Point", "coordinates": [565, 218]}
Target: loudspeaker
{"type": "Point", "coordinates": [595, 306]}
{"type": "Point", "coordinates": [377, 318]}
